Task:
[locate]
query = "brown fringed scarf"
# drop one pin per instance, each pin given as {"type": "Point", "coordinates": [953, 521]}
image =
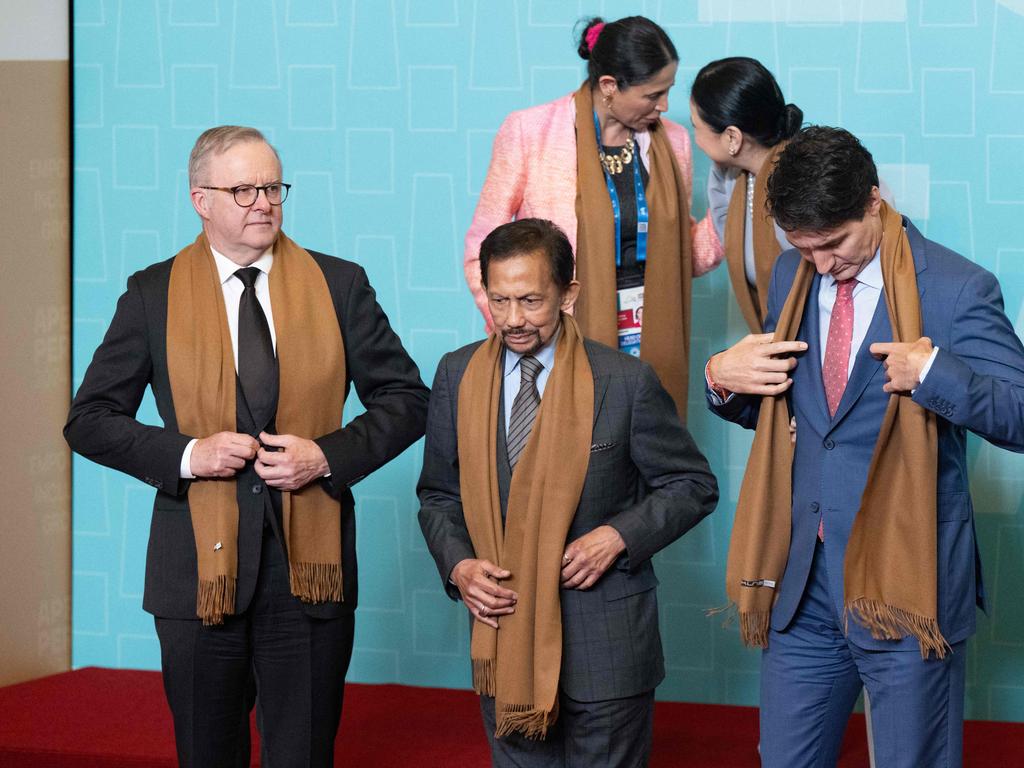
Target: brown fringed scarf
{"type": "Point", "coordinates": [519, 664]}
{"type": "Point", "coordinates": [890, 568]}
{"type": "Point", "coordinates": [200, 363]}
{"type": "Point", "coordinates": [665, 339]}
{"type": "Point", "coordinates": [753, 299]}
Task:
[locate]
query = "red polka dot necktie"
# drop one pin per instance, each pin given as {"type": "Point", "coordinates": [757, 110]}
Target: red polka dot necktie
{"type": "Point", "coordinates": [835, 369]}
{"type": "Point", "coordinates": [837, 349]}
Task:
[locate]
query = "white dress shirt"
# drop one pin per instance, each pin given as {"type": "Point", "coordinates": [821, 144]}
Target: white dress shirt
{"type": "Point", "coordinates": [233, 288]}
{"type": "Point", "coordinates": [865, 300]}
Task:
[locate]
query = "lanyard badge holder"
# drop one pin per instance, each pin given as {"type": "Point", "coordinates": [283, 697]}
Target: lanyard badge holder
{"type": "Point", "coordinates": [629, 301]}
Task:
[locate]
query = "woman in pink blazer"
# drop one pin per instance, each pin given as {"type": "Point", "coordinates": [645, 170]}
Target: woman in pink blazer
{"type": "Point", "coordinates": [585, 161]}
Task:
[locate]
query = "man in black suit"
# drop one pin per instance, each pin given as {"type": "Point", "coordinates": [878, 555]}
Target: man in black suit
{"type": "Point", "coordinates": [251, 567]}
{"type": "Point", "coordinates": [585, 477]}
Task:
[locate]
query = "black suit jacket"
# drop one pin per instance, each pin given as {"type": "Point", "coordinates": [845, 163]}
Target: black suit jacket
{"type": "Point", "coordinates": [102, 426]}
{"type": "Point", "coordinates": [646, 478]}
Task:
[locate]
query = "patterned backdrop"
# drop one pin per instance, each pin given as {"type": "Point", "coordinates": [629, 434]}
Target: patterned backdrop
{"type": "Point", "coordinates": [384, 112]}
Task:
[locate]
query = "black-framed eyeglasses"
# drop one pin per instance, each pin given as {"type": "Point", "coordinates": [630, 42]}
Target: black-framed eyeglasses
{"type": "Point", "coordinates": [246, 194]}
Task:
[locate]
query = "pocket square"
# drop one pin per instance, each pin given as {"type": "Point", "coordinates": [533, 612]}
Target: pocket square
{"type": "Point", "coordinates": [601, 446]}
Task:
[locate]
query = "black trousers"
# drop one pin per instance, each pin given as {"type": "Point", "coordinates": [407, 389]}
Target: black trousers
{"type": "Point", "coordinates": [298, 664]}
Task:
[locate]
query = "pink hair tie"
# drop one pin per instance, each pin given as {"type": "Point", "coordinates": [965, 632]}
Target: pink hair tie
{"type": "Point", "coordinates": [592, 34]}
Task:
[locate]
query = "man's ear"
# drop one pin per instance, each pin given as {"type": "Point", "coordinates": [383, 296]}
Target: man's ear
{"type": "Point", "coordinates": [201, 202]}
{"type": "Point", "coordinates": [569, 296]}
{"type": "Point", "coordinates": [874, 201]}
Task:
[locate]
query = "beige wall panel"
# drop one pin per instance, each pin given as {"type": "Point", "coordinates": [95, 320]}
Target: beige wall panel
{"type": "Point", "coordinates": [35, 290]}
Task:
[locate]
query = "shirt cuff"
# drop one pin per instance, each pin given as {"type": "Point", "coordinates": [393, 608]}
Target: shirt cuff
{"type": "Point", "coordinates": [928, 367]}
{"type": "Point", "coordinates": [719, 396]}
{"type": "Point", "coordinates": [185, 470]}
{"type": "Point", "coordinates": [924, 371]}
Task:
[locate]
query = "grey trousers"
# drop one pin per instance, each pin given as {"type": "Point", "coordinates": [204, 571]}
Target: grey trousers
{"type": "Point", "coordinates": [588, 734]}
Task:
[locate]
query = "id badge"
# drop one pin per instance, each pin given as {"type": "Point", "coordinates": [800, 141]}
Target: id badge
{"type": "Point", "coordinates": [630, 321]}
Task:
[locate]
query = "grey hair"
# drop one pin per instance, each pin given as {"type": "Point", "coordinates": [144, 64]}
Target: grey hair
{"type": "Point", "coordinates": [214, 141]}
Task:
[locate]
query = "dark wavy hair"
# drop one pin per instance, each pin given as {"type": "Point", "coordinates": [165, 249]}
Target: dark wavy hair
{"type": "Point", "coordinates": [632, 50]}
{"type": "Point", "coordinates": [740, 91]}
{"type": "Point", "coordinates": [823, 179]}
{"type": "Point", "coordinates": [526, 236]}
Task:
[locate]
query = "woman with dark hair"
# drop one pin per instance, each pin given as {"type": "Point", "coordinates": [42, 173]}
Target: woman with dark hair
{"type": "Point", "coordinates": [742, 123]}
{"type": "Point", "coordinates": [605, 166]}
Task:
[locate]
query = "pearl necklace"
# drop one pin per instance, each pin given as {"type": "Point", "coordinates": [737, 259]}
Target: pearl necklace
{"type": "Point", "coordinates": [750, 192]}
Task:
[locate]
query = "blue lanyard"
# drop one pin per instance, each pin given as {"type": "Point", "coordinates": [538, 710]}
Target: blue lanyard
{"type": "Point", "coordinates": [642, 215]}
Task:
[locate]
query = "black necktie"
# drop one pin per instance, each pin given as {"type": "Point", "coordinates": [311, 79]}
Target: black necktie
{"type": "Point", "coordinates": [257, 365]}
{"type": "Point", "coordinates": [524, 409]}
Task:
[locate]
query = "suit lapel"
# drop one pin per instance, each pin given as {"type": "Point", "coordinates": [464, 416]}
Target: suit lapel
{"type": "Point", "coordinates": [600, 388]}
{"type": "Point", "coordinates": [504, 468]}
{"type": "Point", "coordinates": [808, 369]}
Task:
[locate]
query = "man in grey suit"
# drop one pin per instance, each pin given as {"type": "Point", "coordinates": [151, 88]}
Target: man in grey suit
{"type": "Point", "coordinates": [629, 477]}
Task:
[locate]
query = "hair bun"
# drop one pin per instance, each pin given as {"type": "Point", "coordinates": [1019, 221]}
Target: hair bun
{"type": "Point", "coordinates": [583, 48]}
{"type": "Point", "coordinates": [791, 120]}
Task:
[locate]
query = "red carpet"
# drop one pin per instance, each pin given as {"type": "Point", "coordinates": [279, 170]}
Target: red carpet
{"type": "Point", "coordinates": [102, 718]}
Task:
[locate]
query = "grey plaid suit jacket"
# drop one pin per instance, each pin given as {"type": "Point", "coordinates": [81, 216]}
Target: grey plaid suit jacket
{"type": "Point", "coordinates": [646, 478]}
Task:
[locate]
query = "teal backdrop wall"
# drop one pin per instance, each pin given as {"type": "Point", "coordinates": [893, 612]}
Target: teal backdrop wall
{"type": "Point", "coordinates": [383, 112]}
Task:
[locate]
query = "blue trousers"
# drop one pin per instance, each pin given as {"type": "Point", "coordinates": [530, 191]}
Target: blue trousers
{"type": "Point", "coordinates": [811, 676]}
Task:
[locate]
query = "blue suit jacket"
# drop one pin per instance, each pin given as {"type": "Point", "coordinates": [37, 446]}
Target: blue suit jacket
{"type": "Point", "coordinates": [976, 383]}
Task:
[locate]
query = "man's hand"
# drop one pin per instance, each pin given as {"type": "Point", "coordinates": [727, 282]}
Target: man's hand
{"type": "Point", "coordinates": [477, 582]}
{"type": "Point", "coordinates": [904, 362]}
{"type": "Point", "coordinates": [755, 365]}
{"type": "Point", "coordinates": [298, 462]}
{"type": "Point", "coordinates": [222, 454]}
{"type": "Point", "coordinates": [586, 559]}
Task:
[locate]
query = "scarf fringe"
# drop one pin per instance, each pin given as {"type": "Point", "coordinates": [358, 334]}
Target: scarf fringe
{"type": "Point", "coordinates": [316, 582]}
{"type": "Point", "coordinates": [525, 719]}
{"type": "Point", "coordinates": [754, 628]}
{"type": "Point", "coordinates": [215, 598]}
{"type": "Point", "coordinates": [886, 622]}
{"type": "Point", "coordinates": [483, 676]}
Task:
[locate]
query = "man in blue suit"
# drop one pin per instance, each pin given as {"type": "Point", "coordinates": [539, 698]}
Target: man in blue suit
{"type": "Point", "coordinates": [885, 353]}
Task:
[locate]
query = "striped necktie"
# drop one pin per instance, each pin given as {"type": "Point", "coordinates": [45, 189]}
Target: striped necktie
{"type": "Point", "coordinates": [524, 409]}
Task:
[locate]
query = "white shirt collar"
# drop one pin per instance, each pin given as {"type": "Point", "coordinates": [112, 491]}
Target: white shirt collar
{"type": "Point", "coordinates": [226, 268]}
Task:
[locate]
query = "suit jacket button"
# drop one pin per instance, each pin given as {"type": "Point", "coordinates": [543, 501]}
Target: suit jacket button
{"type": "Point", "coordinates": [257, 488]}
{"type": "Point", "coordinates": [814, 507]}
{"type": "Point", "coordinates": [829, 444]}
